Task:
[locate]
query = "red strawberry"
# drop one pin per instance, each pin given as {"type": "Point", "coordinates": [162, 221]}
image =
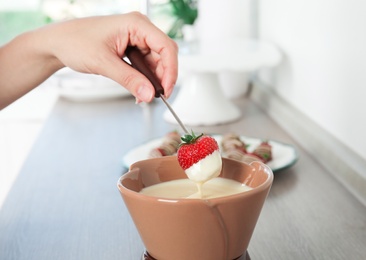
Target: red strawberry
{"type": "Point", "coordinates": [264, 151]}
{"type": "Point", "coordinates": [195, 148]}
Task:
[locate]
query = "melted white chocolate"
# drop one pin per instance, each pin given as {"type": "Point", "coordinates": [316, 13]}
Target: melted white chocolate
{"type": "Point", "coordinates": [185, 188]}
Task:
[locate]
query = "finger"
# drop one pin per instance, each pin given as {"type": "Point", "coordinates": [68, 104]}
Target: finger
{"type": "Point", "coordinates": [165, 70]}
{"type": "Point", "coordinates": [163, 48]}
{"type": "Point", "coordinates": [135, 82]}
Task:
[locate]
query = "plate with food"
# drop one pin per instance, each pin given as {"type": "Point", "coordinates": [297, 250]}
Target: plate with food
{"type": "Point", "coordinates": [78, 87]}
{"type": "Point", "coordinates": [277, 155]}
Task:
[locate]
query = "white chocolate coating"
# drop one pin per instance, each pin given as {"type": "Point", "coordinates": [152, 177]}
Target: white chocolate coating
{"type": "Point", "coordinates": [205, 169]}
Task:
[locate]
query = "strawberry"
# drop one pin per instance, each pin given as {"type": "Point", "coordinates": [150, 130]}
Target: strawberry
{"type": "Point", "coordinates": [264, 151]}
{"type": "Point", "coordinates": [195, 148]}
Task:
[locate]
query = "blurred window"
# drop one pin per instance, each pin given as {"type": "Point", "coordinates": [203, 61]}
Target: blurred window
{"type": "Point", "coordinates": [17, 16]}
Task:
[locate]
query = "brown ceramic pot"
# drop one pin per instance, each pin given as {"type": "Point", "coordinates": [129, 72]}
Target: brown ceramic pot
{"type": "Point", "coordinates": [195, 229]}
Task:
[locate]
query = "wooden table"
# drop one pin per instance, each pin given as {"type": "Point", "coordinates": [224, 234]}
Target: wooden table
{"type": "Point", "coordinates": [65, 204]}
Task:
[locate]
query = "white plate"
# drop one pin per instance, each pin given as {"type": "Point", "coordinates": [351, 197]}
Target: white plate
{"type": "Point", "coordinates": [283, 155]}
{"type": "Point", "coordinates": [81, 87]}
{"type": "Point", "coordinates": [93, 94]}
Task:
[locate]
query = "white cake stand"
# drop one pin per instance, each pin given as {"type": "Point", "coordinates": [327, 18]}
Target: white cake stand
{"type": "Point", "coordinates": [200, 100]}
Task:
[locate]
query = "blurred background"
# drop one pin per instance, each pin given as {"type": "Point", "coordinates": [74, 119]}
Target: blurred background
{"type": "Point", "coordinates": [316, 92]}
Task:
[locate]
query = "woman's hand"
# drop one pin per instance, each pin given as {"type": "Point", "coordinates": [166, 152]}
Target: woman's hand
{"type": "Point", "coordinates": [90, 45]}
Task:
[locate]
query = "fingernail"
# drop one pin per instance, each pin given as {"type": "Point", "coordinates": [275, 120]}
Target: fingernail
{"type": "Point", "coordinates": [144, 94]}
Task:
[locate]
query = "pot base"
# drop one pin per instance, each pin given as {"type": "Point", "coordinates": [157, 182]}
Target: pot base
{"type": "Point", "coordinates": [146, 256]}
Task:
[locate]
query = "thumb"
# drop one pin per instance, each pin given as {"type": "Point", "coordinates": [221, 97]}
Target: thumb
{"type": "Point", "coordinates": [134, 81]}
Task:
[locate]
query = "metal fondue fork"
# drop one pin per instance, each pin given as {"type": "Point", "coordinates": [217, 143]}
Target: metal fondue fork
{"type": "Point", "coordinates": [137, 62]}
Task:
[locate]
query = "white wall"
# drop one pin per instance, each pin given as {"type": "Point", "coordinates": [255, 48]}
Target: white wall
{"type": "Point", "coordinates": [324, 71]}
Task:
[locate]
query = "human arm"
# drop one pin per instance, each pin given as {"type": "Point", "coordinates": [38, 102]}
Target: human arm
{"type": "Point", "coordinates": [93, 45]}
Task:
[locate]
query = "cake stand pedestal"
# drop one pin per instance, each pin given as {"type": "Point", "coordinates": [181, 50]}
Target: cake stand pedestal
{"type": "Point", "coordinates": [200, 100]}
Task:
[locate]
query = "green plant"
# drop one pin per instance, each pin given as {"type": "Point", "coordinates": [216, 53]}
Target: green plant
{"type": "Point", "coordinates": [185, 12]}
